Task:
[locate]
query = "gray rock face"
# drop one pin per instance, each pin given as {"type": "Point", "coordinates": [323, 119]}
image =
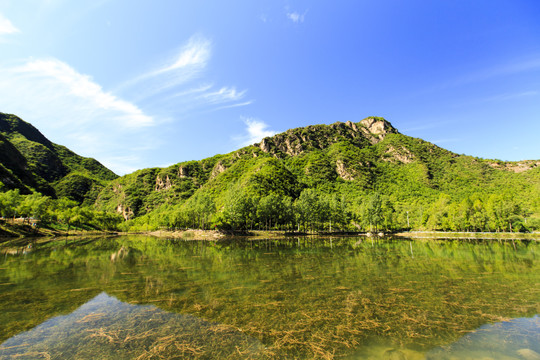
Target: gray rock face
{"type": "Point", "coordinates": [294, 142]}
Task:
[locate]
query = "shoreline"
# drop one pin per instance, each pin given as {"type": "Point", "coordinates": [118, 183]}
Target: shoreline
{"type": "Point", "coordinates": [262, 234]}
{"type": "Point", "coordinates": [9, 233]}
{"type": "Point", "coordinates": [467, 235]}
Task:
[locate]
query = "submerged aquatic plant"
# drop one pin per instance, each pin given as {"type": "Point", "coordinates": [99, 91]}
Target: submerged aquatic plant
{"type": "Point", "coordinates": [295, 298]}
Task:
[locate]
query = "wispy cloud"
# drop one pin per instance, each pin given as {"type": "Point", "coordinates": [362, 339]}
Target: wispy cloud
{"type": "Point", "coordinates": [508, 96]}
{"type": "Point", "coordinates": [186, 65]}
{"type": "Point", "coordinates": [516, 67]}
{"type": "Point", "coordinates": [515, 96]}
{"type": "Point", "coordinates": [295, 16]}
{"type": "Point", "coordinates": [6, 27]}
{"type": "Point", "coordinates": [57, 75]}
{"type": "Point", "coordinates": [174, 82]}
{"type": "Point", "coordinates": [195, 53]}
{"type": "Point", "coordinates": [246, 103]}
{"type": "Point", "coordinates": [72, 109]}
{"type": "Point", "coordinates": [191, 91]}
{"type": "Point", "coordinates": [255, 131]}
{"type": "Point", "coordinates": [225, 94]}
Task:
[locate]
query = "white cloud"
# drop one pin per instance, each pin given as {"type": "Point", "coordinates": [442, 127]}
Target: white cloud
{"type": "Point", "coordinates": [296, 17]}
{"type": "Point", "coordinates": [6, 27]}
{"type": "Point", "coordinates": [172, 86]}
{"type": "Point", "coordinates": [185, 66]}
{"type": "Point", "coordinates": [195, 90]}
{"type": "Point", "coordinates": [73, 110]}
{"type": "Point", "coordinates": [202, 99]}
{"type": "Point", "coordinates": [256, 130]}
{"type": "Point", "coordinates": [224, 94]}
{"type": "Point", "coordinates": [62, 79]}
{"type": "Point", "coordinates": [245, 103]}
{"type": "Point", "coordinates": [195, 53]}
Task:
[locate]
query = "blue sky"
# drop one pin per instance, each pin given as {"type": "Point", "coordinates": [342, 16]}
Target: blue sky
{"type": "Point", "coordinates": [140, 84]}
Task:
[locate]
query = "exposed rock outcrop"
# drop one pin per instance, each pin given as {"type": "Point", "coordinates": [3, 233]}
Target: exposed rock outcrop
{"type": "Point", "coordinates": [126, 212]}
{"type": "Point", "coordinates": [163, 184]}
{"type": "Point", "coordinates": [294, 142]}
{"type": "Point", "coordinates": [376, 129]}
{"type": "Point", "coordinates": [343, 172]}
{"type": "Point", "coordinates": [402, 155]}
{"type": "Point", "coordinates": [183, 172]}
{"type": "Point", "coordinates": [117, 188]}
{"type": "Point", "coordinates": [517, 167]}
{"type": "Point", "coordinates": [218, 169]}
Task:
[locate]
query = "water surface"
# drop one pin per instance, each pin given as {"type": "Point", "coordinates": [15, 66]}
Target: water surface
{"type": "Point", "coordinates": [354, 298]}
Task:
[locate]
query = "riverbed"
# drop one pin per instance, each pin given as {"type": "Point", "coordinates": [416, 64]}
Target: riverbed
{"type": "Point", "coordinates": [139, 297]}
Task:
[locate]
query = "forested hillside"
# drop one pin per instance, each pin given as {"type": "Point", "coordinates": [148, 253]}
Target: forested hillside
{"type": "Point", "coordinates": [344, 176]}
{"type": "Point", "coordinates": [363, 175]}
{"type": "Point", "coordinates": [30, 162]}
{"type": "Point", "coordinates": [45, 185]}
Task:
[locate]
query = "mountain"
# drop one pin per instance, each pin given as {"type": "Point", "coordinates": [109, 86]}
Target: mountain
{"type": "Point", "coordinates": [352, 174]}
{"type": "Point", "coordinates": [350, 160]}
{"type": "Point", "coordinates": [30, 162]}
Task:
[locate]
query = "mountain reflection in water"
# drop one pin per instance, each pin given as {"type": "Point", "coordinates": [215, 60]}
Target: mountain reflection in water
{"type": "Point", "coordinates": [298, 298]}
{"type": "Point", "coordinates": [106, 328]}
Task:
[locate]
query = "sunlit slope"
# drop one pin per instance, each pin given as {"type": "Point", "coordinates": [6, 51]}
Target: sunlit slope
{"type": "Point", "coordinates": [350, 159]}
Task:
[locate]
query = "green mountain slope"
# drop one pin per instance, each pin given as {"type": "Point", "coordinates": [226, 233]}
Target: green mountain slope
{"type": "Point", "coordinates": [363, 175]}
{"type": "Point", "coordinates": [349, 161]}
{"type": "Point", "coordinates": [29, 161]}
{"type": "Point", "coordinates": [14, 171]}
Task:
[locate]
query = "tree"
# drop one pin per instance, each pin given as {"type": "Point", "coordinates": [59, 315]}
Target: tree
{"type": "Point", "coordinates": [239, 209]}
{"type": "Point", "coordinates": [388, 212]}
{"type": "Point", "coordinates": [9, 202]}
{"type": "Point", "coordinates": [306, 207]}
{"type": "Point", "coordinates": [203, 208]}
{"type": "Point", "coordinates": [34, 205]}
{"type": "Point", "coordinates": [373, 211]}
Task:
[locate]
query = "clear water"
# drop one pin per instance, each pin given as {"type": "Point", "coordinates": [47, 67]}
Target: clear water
{"type": "Point", "coordinates": [353, 298]}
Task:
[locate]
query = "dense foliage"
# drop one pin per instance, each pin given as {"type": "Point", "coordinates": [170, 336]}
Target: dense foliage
{"type": "Point", "coordinates": [30, 163]}
{"type": "Point", "coordinates": [339, 177]}
{"type": "Point", "coordinates": [37, 210]}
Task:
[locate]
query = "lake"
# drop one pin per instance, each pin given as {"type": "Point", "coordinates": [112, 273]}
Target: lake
{"type": "Point", "coordinates": [299, 298]}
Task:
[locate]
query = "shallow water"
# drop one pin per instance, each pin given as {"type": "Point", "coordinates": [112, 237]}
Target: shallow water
{"type": "Point", "coordinates": [354, 298]}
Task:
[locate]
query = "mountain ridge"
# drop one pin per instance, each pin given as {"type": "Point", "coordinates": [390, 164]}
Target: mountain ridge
{"type": "Point", "coordinates": [348, 159]}
{"type": "Point", "coordinates": [352, 165]}
{"type": "Point", "coordinates": [293, 141]}
{"type": "Point", "coordinates": [51, 169]}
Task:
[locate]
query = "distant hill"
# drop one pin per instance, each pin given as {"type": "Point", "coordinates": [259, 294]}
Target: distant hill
{"type": "Point", "coordinates": [30, 162]}
{"type": "Point", "coordinates": [351, 160]}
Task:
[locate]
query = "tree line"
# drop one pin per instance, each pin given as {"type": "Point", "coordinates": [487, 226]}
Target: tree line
{"type": "Point", "coordinates": [315, 210]}
{"type": "Point", "coordinates": [43, 211]}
